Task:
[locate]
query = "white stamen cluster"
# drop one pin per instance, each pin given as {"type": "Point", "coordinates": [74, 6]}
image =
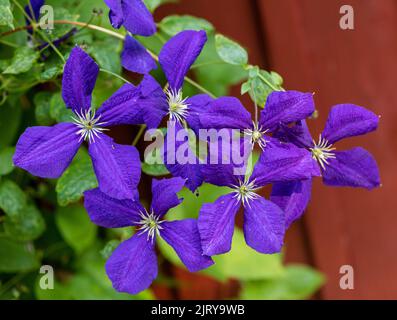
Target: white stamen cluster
{"type": "Point", "coordinates": [322, 151]}
{"type": "Point", "coordinates": [257, 135]}
{"type": "Point", "coordinates": [245, 192]}
{"type": "Point", "coordinates": [150, 224]}
{"type": "Point", "coordinates": [90, 127]}
{"type": "Point", "coordinates": [178, 108]}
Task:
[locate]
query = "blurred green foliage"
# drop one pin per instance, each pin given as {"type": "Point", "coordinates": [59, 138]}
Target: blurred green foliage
{"type": "Point", "coordinates": [43, 222]}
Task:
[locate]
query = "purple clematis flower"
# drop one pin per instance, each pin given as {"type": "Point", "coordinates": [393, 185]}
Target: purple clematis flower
{"type": "Point", "coordinates": [282, 107]}
{"type": "Point", "coordinates": [353, 168]}
{"type": "Point", "coordinates": [132, 267]}
{"type": "Point", "coordinates": [264, 221]}
{"type": "Point", "coordinates": [133, 15]}
{"type": "Point", "coordinates": [176, 58]}
{"type": "Point", "coordinates": [47, 151]}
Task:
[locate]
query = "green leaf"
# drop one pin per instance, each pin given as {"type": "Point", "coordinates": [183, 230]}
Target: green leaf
{"type": "Point", "coordinates": [108, 249]}
{"type": "Point", "coordinates": [261, 88]}
{"type": "Point", "coordinates": [244, 263]}
{"type": "Point", "coordinates": [58, 110]}
{"type": "Point", "coordinates": [77, 178]}
{"type": "Point", "coordinates": [28, 226]}
{"type": "Point", "coordinates": [6, 165]}
{"type": "Point", "coordinates": [154, 170]}
{"type": "Point", "coordinates": [75, 226]}
{"type": "Point", "coordinates": [41, 101]}
{"type": "Point", "coordinates": [298, 282]}
{"type": "Point", "coordinates": [10, 118]}
{"type": "Point", "coordinates": [6, 17]}
{"type": "Point", "coordinates": [154, 4]}
{"type": "Point", "coordinates": [12, 198]}
{"type": "Point", "coordinates": [215, 74]}
{"type": "Point", "coordinates": [16, 257]}
{"type": "Point", "coordinates": [107, 54]}
{"type": "Point", "coordinates": [230, 51]}
{"type": "Point", "coordinates": [23, 60]}
{"type": "Point", "coordinates": [172, 25]}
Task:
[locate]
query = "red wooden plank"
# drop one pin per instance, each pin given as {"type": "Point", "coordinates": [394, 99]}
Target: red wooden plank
{"type": "Point", "coordinates": [307, 47]}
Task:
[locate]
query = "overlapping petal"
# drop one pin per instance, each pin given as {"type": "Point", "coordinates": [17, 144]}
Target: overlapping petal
{"type": "Point", "coordinates": [179, 157]}
{"type": "Point", "coordinates": [298, 134]}
{"type": "Point", "coordinates": [292, 197]}
{"type": "Point", "coordinates": [216, 224]}
{"type": "Point", "coordinates": [286, 107]}
{"type": "Point", "coordinates": [164, 194]}
{"type": "Point", "coordinates": [227, 160]}
{"type": "Point", "coordinates": [349, 120]}
{"type": "Point", "coordinates": [281, 162]}
{"type": "Point", "coordinates": [226, 112]}
{"type": "Point", "coordinates": [108, 212]}
{"type": "Point", "coordinates": [264, 226]}
{"type": "Point", "coordinates": [133, 265]}
{"type": "Point", "coordinates": [197, 105]}
{"type": "Point", "coordinates": [179, 53]}
{"type": "Point", "coordinates": [79, 77]}
{"type": "Point", "coordinates": [184, 237]}
{"type": "Point", "coordinates": [352, 168]}
{"type": "Point", "coordinates": [117, 167]}
{"type": "Point", "coordinates": [144, 104]}
{"type": "Point", "coordinates": [135, 57]}
{"type": "Point", "coordinates": [47, 151]}
{"type": "Point", "coordinates": [133, 14]}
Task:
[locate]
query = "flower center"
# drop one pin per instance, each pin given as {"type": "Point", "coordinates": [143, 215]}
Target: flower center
{"type": "Point", "coordinates": [245, 191]}
{"type": "Point", "coordinates": [177, 106]}
{"type": "Point", "coordinates": [322, 151]}
{"type": "Point", "coordinates": [150, 224]}
{"type": "Point", "coordinates": [89, 125]}
{"type": "Point", "coordinates": [257, 135]}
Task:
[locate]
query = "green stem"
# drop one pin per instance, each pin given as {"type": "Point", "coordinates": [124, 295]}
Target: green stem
{"type": "Point", "coordinates": [108, 32]}
{"type": "Point", "coordinates": [10, 44]}
{"type": "Point", "coordinates": [204, 64]}
{"type": "Point", "coordinates": [139, 134]}
{"type": "Point", "coordinates": [114, 74]}
{"type": "Point", "coordinates": [194, 83]}
{"type": "Point", "coordinates": [42, 34]}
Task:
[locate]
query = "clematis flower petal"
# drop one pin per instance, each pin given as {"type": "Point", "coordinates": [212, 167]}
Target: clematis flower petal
{"type": "Point", "coordinates": [349, 120]}
{"type": "Point", "coordinates": [117, 167]}
{"type": "Point", "coordinates": [108, 212]}
{"type": "Point", "coordinates": [353, 168]}
{"type": "Point", "coordinates": [79, 77]}
{"type": "Point", "coordinates": [145, 103]}
{"type": "Point", "coordinates": [154, 105]}
{"type": "Point", "coordinates": [299, 134]}
{"type": "Point", "coordinates": [116, 16]}
{"type": "Point", "coordinates": [184, 237]}
{"type": "Point", "coordinates": [133, 14]}
{"type": "Point", "coordinates": [264, 226]}
{"type": "Point", "coordinates": [198, 105]}
{"type": "Point", "coordinates": [47, 151]}
{"type": "Point", "coordinates": [135, 57]}
{"type": "Point", "coordinates": [164, 194]}
{"type": "Point", "coordinates": [281, 162]}
{"type": "Point", "coordinates": [216, 224]}
{"type": "Point", "coordinates": [179, 157]}
{"type": "Point", "coordinates": [292, 197]}
{"type": "Point", "coordinates": [179, 53]}
{"type": "Point", "coordinates": [133, 265]}
{"type": "Point", "coordinates": [226, 161]}
{"type": "Point", "coordinates": [226, 112]}
{"type": "Point", "coordinates": [33, 11]}
{"type": "Point", "coordinates": [286, 107]}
